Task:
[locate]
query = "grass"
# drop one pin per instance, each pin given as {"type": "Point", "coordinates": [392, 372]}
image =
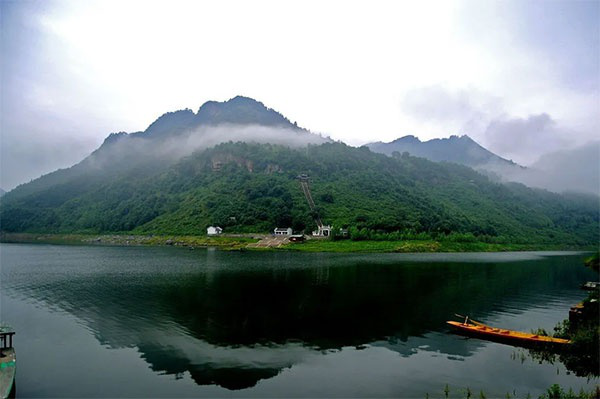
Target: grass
{"type": "Point", "coordinates": [240, 243]}
{"type": "Point", "coordinates": [410, 246]}
{"type": "Point", "coordinates": [553, 392]}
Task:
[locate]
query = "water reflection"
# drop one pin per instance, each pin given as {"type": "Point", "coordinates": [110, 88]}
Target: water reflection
{"type": "Point", "coordinates": [235, 319]}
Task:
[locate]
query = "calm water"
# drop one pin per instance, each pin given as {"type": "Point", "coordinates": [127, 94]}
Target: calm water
{"type": "Point", "coordinates": [139, 322]}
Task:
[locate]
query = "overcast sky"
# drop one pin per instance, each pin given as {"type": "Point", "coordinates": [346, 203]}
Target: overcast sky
{"type": "Point", "coordinates": [521, 78]}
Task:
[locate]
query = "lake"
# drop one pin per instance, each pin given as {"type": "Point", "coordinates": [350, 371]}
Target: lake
{"type": "Point", "coordinates": [96, 321]}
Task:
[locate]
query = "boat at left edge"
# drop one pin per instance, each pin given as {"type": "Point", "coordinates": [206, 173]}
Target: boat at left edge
{"type": "Point", "coordinates": [8, 364]}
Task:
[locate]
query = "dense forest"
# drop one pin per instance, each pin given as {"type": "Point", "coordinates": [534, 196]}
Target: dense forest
{"type": "Point", "coordinates": [246, 187]}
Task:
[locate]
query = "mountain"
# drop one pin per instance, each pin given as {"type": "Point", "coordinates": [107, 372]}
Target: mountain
{"type": "Point", "coordinates": [254, 188]}
{"type": "Point", "coordinates": [573, 170]}
{"type": "Point", "coordinates": [236, 163]}
{"type": "Point", "coordinates": [237, 111]}
{"type": "Point", "coordinates": [244, 118]}
{"type": "Point", "coordinates": [175, 135]}
{"type": "Point", "coordinates": [2, 192]}
{"type": "Point", "coordinates": [458, 149]}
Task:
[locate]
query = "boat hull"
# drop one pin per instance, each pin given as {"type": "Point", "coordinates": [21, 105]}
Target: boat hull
{"type": "Point", "coordinates": [507, 336]}
{"type": "Point", "coordinates": [8, 366]}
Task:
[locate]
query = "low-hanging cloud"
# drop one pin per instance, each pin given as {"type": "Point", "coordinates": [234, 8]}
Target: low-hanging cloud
{"type": "Point", "coordinates": [209, 136]}
{"type": "Point", "coordinates": [141, 146]}
{"type": "Point", "coordinates": [28, 151]}
{"type": "Point", "coordinates": [569, 170]}
{"type": "Point", "coordinates": [525, 138]}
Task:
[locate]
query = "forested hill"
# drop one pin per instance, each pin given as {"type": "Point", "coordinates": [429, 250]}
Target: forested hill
{"type": "Point", "coordinates": [253, 188]}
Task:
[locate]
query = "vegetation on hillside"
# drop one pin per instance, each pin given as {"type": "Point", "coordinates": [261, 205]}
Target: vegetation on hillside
{"type": "Point", "coordinates": [253, 188]}
{"type": "Point", "coordinates": [593, 262]}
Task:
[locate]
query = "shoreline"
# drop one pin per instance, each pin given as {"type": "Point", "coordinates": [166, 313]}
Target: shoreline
{"type": "Point", "coordinates": [244, 242]}
{"type": "Point", "coordinates": [123, 240]}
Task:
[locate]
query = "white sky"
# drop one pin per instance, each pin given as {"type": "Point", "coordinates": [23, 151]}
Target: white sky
{"type": "Point", "coordinates": [73, 72]}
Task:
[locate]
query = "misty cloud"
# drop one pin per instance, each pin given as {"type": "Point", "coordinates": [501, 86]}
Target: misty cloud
{"type": "Point", "coordinates": [141, 146]}
{"type": "Point", "coordinates": [575, 170]}
{"type": "Point", "coordinates": [209, 136]}
{"type": "Point", "coordinates": [538, 140]}
{"type": "Point", "coordinates": [465, 107]}
{"type": "Point", "coordinates": [525, 138]}
{"type": "Point", "coordinates": [67, 80]}
{"type": "Point", "coordinates": [28, 151]}
{"type": "Point", "coordinates": [45, 123]}
{"type": "Point", "coordinates": [484, 118]}
{"type": "Point", "coordinates": [466, 111]}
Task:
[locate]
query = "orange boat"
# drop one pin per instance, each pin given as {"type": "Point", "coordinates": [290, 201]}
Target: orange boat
{"type": "Point", "coordinates": [480, 330]}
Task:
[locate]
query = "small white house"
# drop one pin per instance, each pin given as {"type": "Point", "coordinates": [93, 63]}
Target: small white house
{"type": "Point", "coordinates": [283, 231]}
{"type": "Point", "coordinates": [213, 230]}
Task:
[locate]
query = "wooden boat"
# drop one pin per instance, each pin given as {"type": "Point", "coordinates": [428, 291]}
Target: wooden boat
{"type": "Point", "coordinates": [8, 365]}
{"type": "Point", "coordinates": [471, 327]}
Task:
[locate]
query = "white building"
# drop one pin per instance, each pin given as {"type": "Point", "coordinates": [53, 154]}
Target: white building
{"type": "Point", "coordinates": [323, 231]}
{"type": "Point", "coordinates": [283, 231]}
{"type": "Point", "coordinates": [213, 231]}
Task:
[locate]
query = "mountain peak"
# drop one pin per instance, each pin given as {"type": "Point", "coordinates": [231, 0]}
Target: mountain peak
{"type": "Point", "coordinates": [244, 99]}
{"type": "Point", "coordinates": [407, 139]}
{"type": "Point", "coordinates": [170, 121]}
{"type": "Point", "coordinates": [240, 110]}
{"type": "Point", "coordinates": [465, 138]}
{"type": "Point", "coordinates": [458, 149]}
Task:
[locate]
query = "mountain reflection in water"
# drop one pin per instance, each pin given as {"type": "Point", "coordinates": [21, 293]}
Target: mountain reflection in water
{"type": "Point", "coordinates": [233, 319]}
